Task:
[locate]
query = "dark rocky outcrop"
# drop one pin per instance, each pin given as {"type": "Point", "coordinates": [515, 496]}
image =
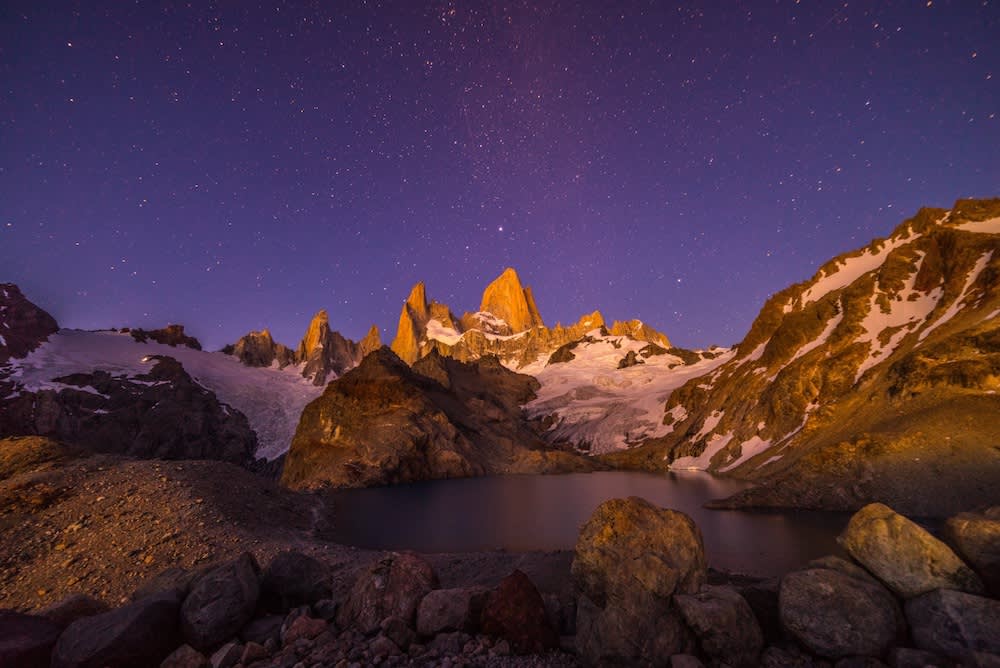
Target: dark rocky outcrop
{"type": "Point", "coordinates": [142, 633]}
{"type": "Point", "coordinates": [259, 349]}
{"type": "Point", "coordinates": [26, 641]}
{"type": "Point", "coordinates": [162, 414]}
{"type": "Point", "coordinates": [384, 423]}
{"type": "Point", "coordinates": [975, 536]}
{"type": "Point", "coordinates": [514, 611]}
{"type": "Point", "coordinates": [904, 556]}
{"type": "Point", "coordinates": [23, 326]}
{"type": "Point", "coordinates": [171, 335]}
{"type": "Point", "coordinates": [954, 623]}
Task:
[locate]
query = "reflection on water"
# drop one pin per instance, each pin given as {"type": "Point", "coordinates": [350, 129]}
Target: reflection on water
{"type": "Point", "coordinates": [545, 512]}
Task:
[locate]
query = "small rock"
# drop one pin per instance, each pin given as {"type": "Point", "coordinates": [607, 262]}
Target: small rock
{"type": "Point", "coordinates": [185, 656]}
{"type": "Point", "coordinates": [448, 644]}
{"type": "Point", "coordinates": [383, 647]}
{"type": "Point", "coordinates": [227, 656]}
{"type": "Point", "coordinates": [253, 652]}
{"type": "Point", "coordinates": [325, 609]}
{"type": "Point", "coordinates": [954, 623]}
{"type": "Point", "coordinates": [303, 627]}
{"type": "Point", "coordinates": [976, 538]}
{"type": "Point", "coordinates": [724, 623]}
{"type": "Point", "coordinates": [515, 611]}
{"type": "Point", "coordinates": [904, 556]}
{"type": "Point", "coordinates": [261, 630]}
{"type": "Point", "coordinates": [685, 661]}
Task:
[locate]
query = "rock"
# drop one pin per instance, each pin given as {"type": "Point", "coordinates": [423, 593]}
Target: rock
{"type": "Point", "coordinates": [685, 661]}
{"type": "Point", "coordinates": [185, 656]}
{"type": "Point", "coordinates": [954, 623]}
{"type": "Point", "coordinates": [139, 634]}
{"type": "Point", "coordinates": [391, 587]}
{"type": "Point", "coordinates": [26, 640]}
{"type": "Point", "coordinates": [303, 627]}
{"type": "Point", "coordinates": [724, 623]}
{"type": "Point", "coordinates": [171, 579]}
{"type": "Point", "coordinates": [836, 615]}
{"type": "Point", "coordinates": [24, 325]}
{"type": "Point", "coordinates": [220, 603]}
{"type": "Point", "coordinates": [259, 349]}
{"type": "Point", "coordinates": [981, 660]}
{"type": "Point", "coordinates": [906, 657]}
{"type": "Point", "coordinates": [396, 630]}
{"type": "Point", "coordinates": [561, 614]}
{"type": "Point", "coordinates": [450, 610]}
{"type": "Point", "coordinates": [630, 359]}
{"type": "Point", "coordinates": [293, 579]}
{"type": "Point", "coordinates": [324, 352]}
{"type": "Point", "coordinates": [382, 646]}
{"type": "Point", "coordinates": [73, 607]}
{"type": "Point", "coordinates": [227, 656]}
{"type": "Point", "coordinates": [507, 300]}
{"type": "Point", "coordinates": [908, 559]}
{"type": "Point", "coordinates": [325, 609]}
{"type": "Point", "coordinates": [171, 335]}
{"type": "Point", "coordinates": [663, 549]}
{"type": "Point", "coordinates": [253, 652]}
{"type": "Point", "coordinates": [976, 538]}
{"type": "Point", "coordinates": [859, 662]}
{"type": "Point", "coordinates": [515, 612]}
{"type": "Point", "coordinates": [640, 331]}
{"type": "Point", "coordinates": [624, 613]}
{"type": "Point", "coordinates": [787, 657]}
{"type": "Point", "coordinates": [762, 598]}
{"type": "Point", "coordinates": [261, 630]}
{"type": "Point", "coordinates": [448, 644]}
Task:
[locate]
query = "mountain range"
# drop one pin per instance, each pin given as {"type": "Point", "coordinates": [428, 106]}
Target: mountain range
{"type": "Point", "coordinates": [875, 379]}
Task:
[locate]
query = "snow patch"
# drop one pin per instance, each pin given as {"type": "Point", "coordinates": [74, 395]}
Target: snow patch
{"type": "Point", "coordinates": [956, 305]}
{"type": "Point", "coordinates": [831, 325]}
{"type": "Point", "coordinates": [748, 449]}
{"type": "Point", "coordinates": [437, 331]}
{"type": "Point", "coordinates": [701, 463]}
{"type": "Point", "coordinates": [711, 422]}
{"type": "Point", "coordinates": [851, 269]}
{"type": "Point", "coordinates": [991, 226]}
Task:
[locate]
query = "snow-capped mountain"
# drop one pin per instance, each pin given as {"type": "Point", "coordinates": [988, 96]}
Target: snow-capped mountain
{"type": "Point", "coordinates": [507, 325]}
{"type": "Point", "coordinates": [884, 363]}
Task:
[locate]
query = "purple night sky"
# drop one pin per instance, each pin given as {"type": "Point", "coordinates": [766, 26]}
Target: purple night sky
{"type": "Point", "coordinates": [236, 165]}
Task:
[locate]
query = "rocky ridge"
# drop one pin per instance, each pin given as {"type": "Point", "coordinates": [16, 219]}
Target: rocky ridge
{"type": "Point", "coordinates": [508, 326]}
{"type": "Point", "coordinates": [874, 380]}
{"type": "Point", "coordinates": [323, 353]}
{"type": "Point", "coordinates": [384, 422]}
{"type": "Point", "coordinates": [23, 326]}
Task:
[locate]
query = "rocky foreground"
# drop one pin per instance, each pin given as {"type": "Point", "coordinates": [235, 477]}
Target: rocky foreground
{"type": "Point", "coordinates": [112, 562]}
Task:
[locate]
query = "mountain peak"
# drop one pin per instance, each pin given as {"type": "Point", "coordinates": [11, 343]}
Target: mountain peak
{"type": "Point", "coordinates": [507, 299]}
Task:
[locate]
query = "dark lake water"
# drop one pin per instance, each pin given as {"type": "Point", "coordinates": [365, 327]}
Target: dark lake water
{"type": "Point", "coordinates": [545, 512]}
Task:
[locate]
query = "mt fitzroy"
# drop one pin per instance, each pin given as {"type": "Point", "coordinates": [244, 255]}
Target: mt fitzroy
{"type": "Point", "coordinates": [507, 325]}
{"type": "Point", "coordinates": [876, 379]}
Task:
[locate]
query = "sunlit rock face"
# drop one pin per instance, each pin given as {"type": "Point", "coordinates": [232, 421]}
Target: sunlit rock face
{"type": "Point", "coordinates": [508, 325]}
{"type": "Point", "coordinates": [871, 379]}
{"type": "Point", "coordinates": [323, 353]}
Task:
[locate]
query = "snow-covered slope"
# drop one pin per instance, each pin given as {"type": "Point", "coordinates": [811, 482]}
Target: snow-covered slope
{"type": "Point", "coordinates": [271, 398]}
{"type": "Point", "coordinates": [601, 408]}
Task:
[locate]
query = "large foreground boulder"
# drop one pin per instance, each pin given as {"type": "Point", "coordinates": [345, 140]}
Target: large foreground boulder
{"type": "Point", "coordinates": [26, 641]}
{"type": "Point", "coordinates": [139, 634]}
{"type": "Point", "coordinates": [220, 603]}
{"type": "Point", "coordinates": [391, 587]}
{"type": "Point", "coordinates": [908, 559]}
{"type": "Point", "coordinates": [293, 579]}
{"type": "Point", "coordinates": [445, 610]}
{"type": "Point", "coordinates": [515, 612]}
{"type": "Point", "coordinates": [836, 614]}
{"type": "Point", "coordinates": [954, 623]}
{"type": "Point", "coordinates": [725, 625]}
{"type": "Point", "coordinates": [630, 559]}
{"type": "Point", "coordinates": [976, 537]}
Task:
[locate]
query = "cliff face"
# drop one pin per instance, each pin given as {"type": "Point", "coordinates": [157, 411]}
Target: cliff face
{"type": "Point", "coordinates": [23, 326]}
{"type": "Point", "coordinates": [384, 422]}
{"type": "Point", "coordinates": [260, 349]}
{"type": "Point", "coordinates": [873, 380]}
{"type": "Point", "coordinates": [507, 326]}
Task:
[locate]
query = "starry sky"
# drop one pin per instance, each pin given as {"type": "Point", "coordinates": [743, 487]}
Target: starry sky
{"type": "Point", "coordinates": [239, 165]}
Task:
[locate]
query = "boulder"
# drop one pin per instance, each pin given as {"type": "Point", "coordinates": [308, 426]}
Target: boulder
{"type": "Point", "coordinates": [630, 559]}
{"type": "Point", "coordinates": [293, 579]}
{"type": "Point", "coordinates": [788, 657]}
{"type": "Point", "coordinates": [139, 634]}
{"type": "Point", "coordinates": [227, 656]}
{"type": "Point", "coordinates": [26, 641]}
{"type": "Point", "coordinates": [976, 538]}
{"type": "Point", "coordinates": [836, 615]}
{"type": "Point", "coordinates": [725, 625]}
{"type": "Point", "coordinates": [392, 586]}
{"type": "Point", "coordinates": [396, 630]}
{"type": "Point", "coordinates": [263, 629]}
{"type": "Point", "coordinates": [72, 608]}
{"type": "Point", "coordinates": [515, 612]}
{"type": "Point", "coordinates": [685, 661]}
{"type": "Point", "coordinates": [859, 662]}
{"type": "Point", "coordinates": [448, 644]}
{"type": "Point", "coordinates": [904, 556]}
{"type": "Point", "coordinates": [220, 603]}
{"type": "Point", "coordinates": [907, 657]}
{"type": "Point", "coordinates": [303, 627]}
{"type": "Point", "coordinates": [630, 544]}
{"type": "Point", "coordinates": [450, 610]}
{"type": "Point", "coordinates": [185, 656]}
{"type": "Point", "coordinates": [954, 623]}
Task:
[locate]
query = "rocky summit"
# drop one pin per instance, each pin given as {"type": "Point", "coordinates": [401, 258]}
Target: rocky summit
{"type": "Point", "coordinates": [875, 380]}
{"type": "Point", "coordinates": [507, 325]}
{"type": "Point", "coordinates": [384, 422]}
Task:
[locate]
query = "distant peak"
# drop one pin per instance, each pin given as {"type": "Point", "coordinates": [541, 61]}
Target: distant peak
{"type": "Point", "coordinates": [506, 299]}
